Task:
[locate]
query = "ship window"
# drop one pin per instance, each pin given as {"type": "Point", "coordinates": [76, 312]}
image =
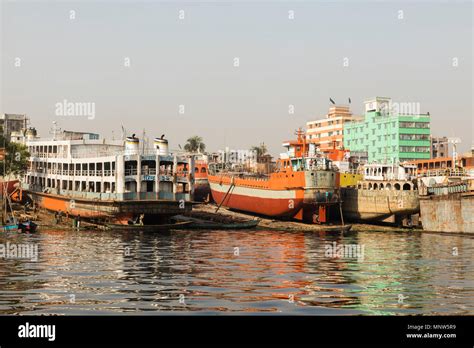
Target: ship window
{"type": "Point", "coordinates": [203, 170]}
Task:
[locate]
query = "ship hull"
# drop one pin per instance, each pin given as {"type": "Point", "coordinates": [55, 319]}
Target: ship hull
{"type": "Point", "coordinates": [118, 211]}
{"type": "Point", "coordinates": [448, 213]}
{"type": "Point", "coordinates": [273, 203]}
{"type": "Point", "coordinates": [202, 190]}
{"type": "Point", "coordinates": [378, 205]}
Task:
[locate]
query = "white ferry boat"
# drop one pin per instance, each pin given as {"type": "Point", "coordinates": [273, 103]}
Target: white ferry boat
{"type": "Point", "coordinates": [81, 174]}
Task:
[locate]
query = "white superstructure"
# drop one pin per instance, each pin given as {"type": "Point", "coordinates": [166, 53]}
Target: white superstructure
{"type": "Point", "coordinates": [82, 165]}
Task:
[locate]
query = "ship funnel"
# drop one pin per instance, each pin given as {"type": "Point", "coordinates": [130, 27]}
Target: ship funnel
{"type": "Point", "coordinates": [161, 146]}
{"type": "Point", "coordinates": [132, 145]}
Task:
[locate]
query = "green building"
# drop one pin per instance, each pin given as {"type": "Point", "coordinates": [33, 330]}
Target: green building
{"type": "Point", "coordinates": [390, 132]}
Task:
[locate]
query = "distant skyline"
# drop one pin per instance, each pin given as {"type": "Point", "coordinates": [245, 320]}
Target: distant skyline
{"type": "Point", "coordinates": [231, 72]}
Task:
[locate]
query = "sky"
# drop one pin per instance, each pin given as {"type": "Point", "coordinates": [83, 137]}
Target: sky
{"type": "Point", "coordinates": [146, 68]}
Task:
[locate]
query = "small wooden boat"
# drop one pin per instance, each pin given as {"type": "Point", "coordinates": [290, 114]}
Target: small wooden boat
{"type": "Point", "coordinates": [336, 228]}
{"type": "Point", "coordinates": [147, 228]}
{"type": "Point", "coordinates": [27, 226]}
{"type": "Point", "coordinates": [209, 221]}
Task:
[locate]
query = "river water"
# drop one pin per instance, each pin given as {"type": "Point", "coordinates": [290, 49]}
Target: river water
{"type": "Point", "coordinates": [235, 272]}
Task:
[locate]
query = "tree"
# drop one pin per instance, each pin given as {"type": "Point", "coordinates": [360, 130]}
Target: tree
{"type": "Point", "coordinates": [260, 150]}
{"type": "Point", "coordinates": [15, 159]}
{"type": "Point", "coordinates": [195, 144]}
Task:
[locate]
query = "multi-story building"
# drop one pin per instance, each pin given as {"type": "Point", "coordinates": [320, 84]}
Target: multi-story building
{"type": "Point", "coordinates": [327, 132]}
{"type": "Point", "coordinates": [390, 132]}
{"type": "Point", "coordinates": [12, 123]}
{"type": "Point", "coordinates": [439, 147]}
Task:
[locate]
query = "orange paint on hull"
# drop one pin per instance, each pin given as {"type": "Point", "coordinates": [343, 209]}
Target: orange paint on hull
{"type": "Point", "coordinates": [87, 209]}
{"type": "Point", "coordinates": [264, 206]}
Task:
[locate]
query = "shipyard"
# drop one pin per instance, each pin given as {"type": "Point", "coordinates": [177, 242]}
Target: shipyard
{"type": "Point", "coordinates": [318, 183]}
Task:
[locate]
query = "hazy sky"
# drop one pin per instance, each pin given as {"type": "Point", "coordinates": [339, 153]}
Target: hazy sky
{"type": "Point", "coordinates": [190, 62]}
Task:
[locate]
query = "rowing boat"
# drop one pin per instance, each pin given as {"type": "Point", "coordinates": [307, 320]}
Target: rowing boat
{"type": "Point", "coordinates": [147, 228]}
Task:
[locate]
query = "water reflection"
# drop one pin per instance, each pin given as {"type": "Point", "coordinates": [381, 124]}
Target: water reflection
{"type": "Point", "coordinates": [239, 271]}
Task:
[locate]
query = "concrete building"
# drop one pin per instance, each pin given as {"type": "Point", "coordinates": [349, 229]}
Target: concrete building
{"type": "Point", "coordinates": [328, 131]}
{"type": "Point", "coordinates": [390, 132]}
{"type": "Point", "coordinates": [440, 147]}
{"type": "Point", "coordinates": [12, 123]}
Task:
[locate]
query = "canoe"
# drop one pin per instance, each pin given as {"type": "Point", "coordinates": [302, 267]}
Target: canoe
{"type": "Point", "coordinates": [206, 224]}
{"type": "Point", "coordinates": [147, 228]}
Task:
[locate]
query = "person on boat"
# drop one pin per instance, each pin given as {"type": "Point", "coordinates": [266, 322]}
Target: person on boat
{"type": "Point", "coordinates": [60, 215]}
{"type": "Point", "coordinates": [78, 222]}
{"type": "Point", "coordinates": [142, 216]}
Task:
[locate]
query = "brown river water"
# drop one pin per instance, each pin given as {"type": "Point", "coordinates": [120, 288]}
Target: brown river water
{"type": "Point", "coordinates": [237, 272]}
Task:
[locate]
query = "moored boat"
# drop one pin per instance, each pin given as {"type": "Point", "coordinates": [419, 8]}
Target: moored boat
{"type": "Point", "coordinates": [79, 174]}
{"type": "Point", "coordinates": [447, 201]}
{"type": "Point", "coordinates": [147, 228]}
{"type": "Point", "coordinates": [208, 221]}
{"type": "Point", "coordinates": [386, 192]}
{"type": "Point", "coordinates": [303, 186]}
{"type": "Point", "coordinates": [202, 190]}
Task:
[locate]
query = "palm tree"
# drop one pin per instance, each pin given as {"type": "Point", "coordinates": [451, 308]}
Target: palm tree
{"type": "Point", "coordinates": [195, 144]}
{"type": "Point", "coordinates": [260, 150]}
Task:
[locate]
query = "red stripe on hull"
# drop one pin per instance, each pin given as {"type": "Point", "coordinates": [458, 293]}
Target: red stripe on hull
{"type": "Point", "coordinates": [263, 206]}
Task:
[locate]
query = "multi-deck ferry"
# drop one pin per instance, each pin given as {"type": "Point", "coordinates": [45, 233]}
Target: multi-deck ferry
{"type": "Point", "coordinates": [302, 187]}
{"type": "Point", "coordinates": [117, 180]}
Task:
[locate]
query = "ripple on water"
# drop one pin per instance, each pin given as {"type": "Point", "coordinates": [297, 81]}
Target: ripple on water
{"type": "Point", "coordinates": [272, 273]}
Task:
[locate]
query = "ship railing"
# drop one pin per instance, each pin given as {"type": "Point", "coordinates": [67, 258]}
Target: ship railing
{"type": "Point", "coordinates": [100, 172]}
{"type": "Point", "coordinates": [149, 171]}
{"type": "Point", "coordinates": [131, 171]}
{"type": "Point", "coordinates": [443, 172]}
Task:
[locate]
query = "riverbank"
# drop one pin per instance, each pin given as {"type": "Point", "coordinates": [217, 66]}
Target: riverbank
{"type": "Point", "coordinates": [272, 224]}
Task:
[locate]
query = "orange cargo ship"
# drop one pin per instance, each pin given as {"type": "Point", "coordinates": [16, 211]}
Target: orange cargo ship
{"type": "Point", "coordinates": [302, 187]}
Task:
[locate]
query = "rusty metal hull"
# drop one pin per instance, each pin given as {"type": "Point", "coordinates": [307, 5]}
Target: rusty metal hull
{"type": "Point", "coordinates": [107, 209]}
{"type": "Point", "coordinates": [361, 204]}
{"type": "Point", "coordinates": [453, 212]}
{"type": "Point", "coordinates": [202, 190]}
